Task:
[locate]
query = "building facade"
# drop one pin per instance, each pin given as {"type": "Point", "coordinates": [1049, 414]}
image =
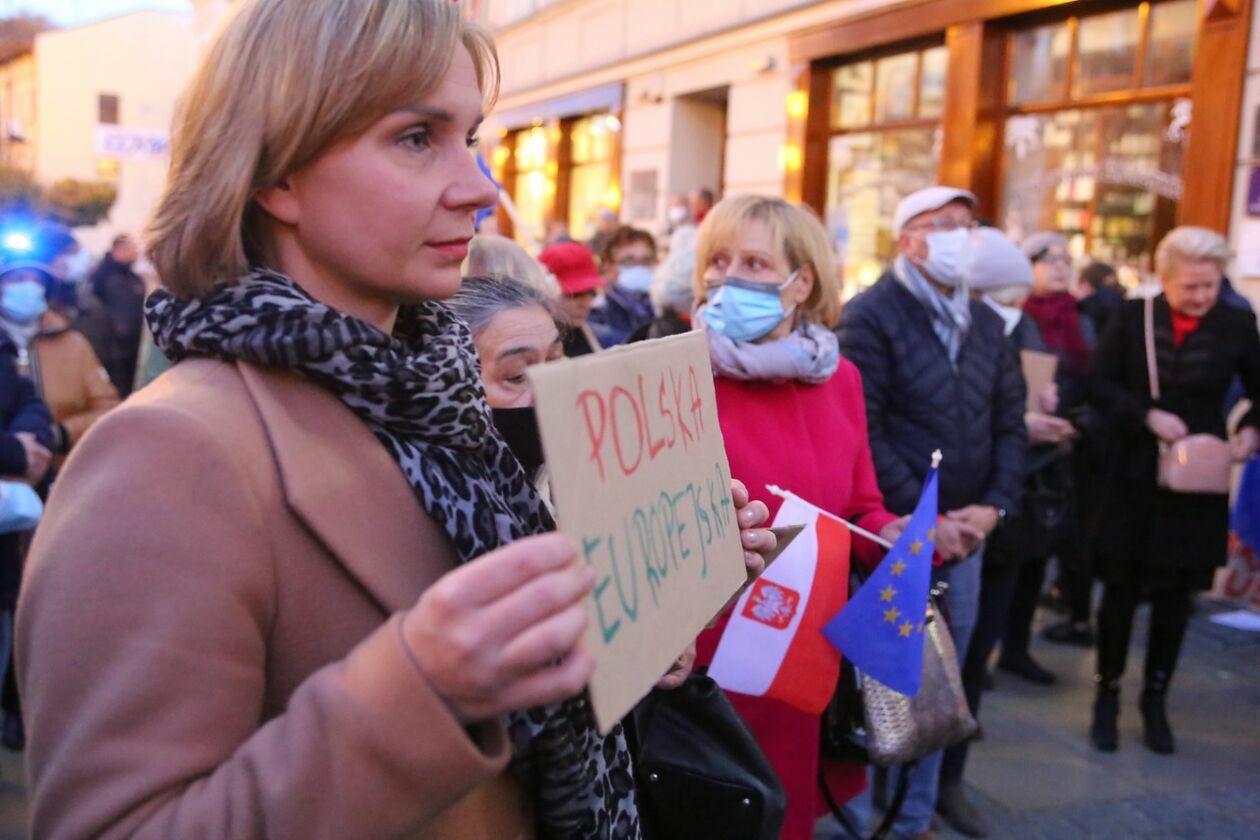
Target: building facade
{"type": "Point", "coordinates": [105, 96]}
{"type": "Point", "coordinates": [1078, 116]}
{"type": "Point", "coordinates": [17, 113]}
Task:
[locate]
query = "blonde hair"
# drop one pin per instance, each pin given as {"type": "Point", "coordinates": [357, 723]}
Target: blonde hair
{"type": "Point", "coordinates": [282, 83]}
{"type": "Point", "coordinates": [1190, 244]}
{"type": "Point", "coordinates": [497, 256]}
{"type": "Point", "coordinates": [796, 233]}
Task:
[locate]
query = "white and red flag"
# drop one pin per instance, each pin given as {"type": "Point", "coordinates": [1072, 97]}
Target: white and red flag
{"type": "Point", "coordinates": [773, 645]}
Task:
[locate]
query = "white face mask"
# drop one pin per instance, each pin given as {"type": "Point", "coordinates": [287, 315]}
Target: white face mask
{"type": "Point", "coordinates": [948, 251]}
{"type": "Point", "coordinates": [1010, 315]}
{"type": "Point", "coordinates": [635, 278]}
{"type": "Point", "coordinates": [677, 215]}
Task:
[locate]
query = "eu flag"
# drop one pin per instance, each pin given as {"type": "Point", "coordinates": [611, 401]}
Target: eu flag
{"type": "Point", "coordinates": [485, 212]}
{"type": "Point", "coordinates": [881, 629]}
{"type": "Point", "coordinates": [1245, 521]}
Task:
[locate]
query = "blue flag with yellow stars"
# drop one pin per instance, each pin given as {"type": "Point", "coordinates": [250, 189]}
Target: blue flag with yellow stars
{"type": "Point", "coordinates": [881, 629]}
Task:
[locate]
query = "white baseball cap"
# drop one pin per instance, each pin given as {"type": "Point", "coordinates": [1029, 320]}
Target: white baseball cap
{"type": "Point", "coordinates": [927, 200]}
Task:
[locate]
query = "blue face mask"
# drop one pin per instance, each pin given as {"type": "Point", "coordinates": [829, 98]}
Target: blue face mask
{"type": "Point", "coordinates": [23, 302]}
{"type": "Point", "coordinates": [744, 310]}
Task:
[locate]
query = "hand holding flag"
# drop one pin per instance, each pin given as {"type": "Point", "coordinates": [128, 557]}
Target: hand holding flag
{"type": "Point", "coordinates": [880, 630]}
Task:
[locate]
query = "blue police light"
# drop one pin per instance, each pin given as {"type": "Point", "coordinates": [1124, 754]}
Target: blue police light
{"type": "Point", "coordinates": [18, 242]}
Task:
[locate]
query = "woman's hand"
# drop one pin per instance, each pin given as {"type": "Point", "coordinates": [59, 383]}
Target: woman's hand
{"type": "Point", "coordinates": [893, 530]}
{"type": "Point", "coordinates": [757, 541]}
{"type": "Point", "coordinates": [503, 632]}
{"type": "Point", "coordinates": [1048, 399]}
{"type": "Point", "coordinates": [680, 670]}
{"type": "Point", "coordinates": [1043, 428]}
{"type": "Point", "coordinates": [1165, 425]}
{"type": "Point", "coordinates": [38, 459]}
{"type": "Point", "coordinates": [1245, 443]}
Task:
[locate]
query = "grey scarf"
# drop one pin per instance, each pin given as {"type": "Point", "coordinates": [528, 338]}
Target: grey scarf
{"type": "Point", "coordinates": [951, 316]}
{"type": "Point", "coordinates": [809, 354]}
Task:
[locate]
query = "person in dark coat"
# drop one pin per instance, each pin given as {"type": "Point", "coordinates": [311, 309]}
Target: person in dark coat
{"type": "Point", "coordinates": [627, 266]}
{"type": "Point", "coordinates": [121, 294]}
{"type": "Point", "coordinates": [1103, 295]}
{"type": "Point", "coordinates": [26, 442]}
{"type": "Point", "coordinates": [1151, 543]}
{"type": "Point", "coordinates": [939, 374]}
{"type": "Point", "coordinates": [1000, 273]}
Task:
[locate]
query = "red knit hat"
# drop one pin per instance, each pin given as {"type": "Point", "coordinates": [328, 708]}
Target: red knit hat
{"type": "Point", "coordinates": [573, 265]}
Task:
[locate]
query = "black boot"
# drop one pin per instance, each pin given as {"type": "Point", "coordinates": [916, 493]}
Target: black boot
{"type": "Point", "coordinates": [1103, 732]}
{"type": "Point", "coordinates": [961, 815]}
{"type": "Point", "coordinates": [1156, 733]}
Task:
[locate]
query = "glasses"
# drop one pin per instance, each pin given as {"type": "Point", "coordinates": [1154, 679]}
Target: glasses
{"type": "Point", "coordinates": [636, 262]}
{"type": "Point", "coordinates": [1061, 259]}
{"type": "Point", "coordinates": [944, 223]}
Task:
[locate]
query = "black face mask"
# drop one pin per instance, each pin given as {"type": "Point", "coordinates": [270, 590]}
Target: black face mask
{"type": "Point", "coordinates": [519, 427]}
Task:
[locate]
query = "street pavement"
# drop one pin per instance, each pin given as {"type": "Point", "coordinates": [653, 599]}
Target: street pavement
{"type": "Point", "coordinates": [1037, 778]}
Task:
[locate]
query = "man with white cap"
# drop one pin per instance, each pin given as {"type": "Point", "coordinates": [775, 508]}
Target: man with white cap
{"type": "Point", "coordinates": [939, 373]}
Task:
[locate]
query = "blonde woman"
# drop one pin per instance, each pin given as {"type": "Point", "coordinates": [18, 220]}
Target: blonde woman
{"type": "Point", "coordinates": [792, 414]}
{"type": "Point", "coordinates": [1151, 543]}
{"type": "Point", "coordinates": [251, 610]}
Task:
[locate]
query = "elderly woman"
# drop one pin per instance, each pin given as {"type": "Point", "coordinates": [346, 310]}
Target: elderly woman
{"type": "Point", "coordinates": [767, 281]}
{"type": "Point", "coordinates": [328, 595]}
{"type": "Point", "coordinates": [1152, 543]}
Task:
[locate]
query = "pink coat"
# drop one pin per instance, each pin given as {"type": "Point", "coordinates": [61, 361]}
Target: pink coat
{"type": "Point", "coordinates": [205, 643]}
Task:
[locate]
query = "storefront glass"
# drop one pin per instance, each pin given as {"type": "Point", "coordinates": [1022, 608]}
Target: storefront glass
{"type": "Point", "coordinates": [591, 182]}
{"type": "Point", "coordinates": [532, 189]}
{"type": "Point", "coordinates": [1089, 151]}
{"type": "Point", "coordinates": [884, 146]}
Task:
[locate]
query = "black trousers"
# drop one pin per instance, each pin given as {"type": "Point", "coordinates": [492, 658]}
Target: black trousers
{"type": "Point", "coordinates": [1025, 590]}
{"type": "Point", "coordinates": [1170, 614]}
{"type": "Point", "coordinates": [997, 587]}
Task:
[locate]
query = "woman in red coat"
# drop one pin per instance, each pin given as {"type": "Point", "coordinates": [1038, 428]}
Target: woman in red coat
{"type": "Point", "coordinates": [793, 415]}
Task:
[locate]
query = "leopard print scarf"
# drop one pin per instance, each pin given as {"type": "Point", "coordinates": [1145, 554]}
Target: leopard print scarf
{"type": "Point", "coordinates": [420, 393]}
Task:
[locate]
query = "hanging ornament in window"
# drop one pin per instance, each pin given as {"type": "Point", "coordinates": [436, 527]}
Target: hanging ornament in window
{"type": "Point", "coordinates": [1179, 120]}
{"type": "Point", "coordinates": [1023, 135]}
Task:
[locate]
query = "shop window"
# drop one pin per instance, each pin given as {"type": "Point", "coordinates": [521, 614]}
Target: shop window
{"type": "Point", "coordinates": [591, 182]}
{"type": "Point", "coordinates": [1170, 48]}
{"type": "Point", "coordinates": [1106, 53]}
{"type": "Point", "coordinates": [885, 143]}
{"type": "Point", "coordinates": [1107, 178]}
{"type": "Point", "coordinates": [564, 169]}
{"type": "Point", "coordinates": [531, 188]}
{"type": "Point", "coordinates": [1098, 120]}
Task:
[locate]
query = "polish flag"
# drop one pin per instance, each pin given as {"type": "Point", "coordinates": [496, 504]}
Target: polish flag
{"type": "Point", "coordinates": [773, 645]}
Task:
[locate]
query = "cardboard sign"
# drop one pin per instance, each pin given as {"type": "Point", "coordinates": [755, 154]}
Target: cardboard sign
{"type": "Point", "coordinates": [640, 479]}
{"type": "Point", "coordinates": [1039, 370]}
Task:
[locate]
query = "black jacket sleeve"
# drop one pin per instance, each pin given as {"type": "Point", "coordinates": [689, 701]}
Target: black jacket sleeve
{"type": "Point", "coordinates": [26, 412]}
{"type": "Point", "coordinates": [1123, 408]}
{"type": "Point", "coordinates": [864, 342]}
{"type": "Point", "coordinates": [1010, 435]}
{"type": "Point", "coordinates": [1249, 371]}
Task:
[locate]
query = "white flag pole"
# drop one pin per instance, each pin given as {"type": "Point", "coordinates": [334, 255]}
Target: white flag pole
{"type": "Point", "coordinates": [786, 494]}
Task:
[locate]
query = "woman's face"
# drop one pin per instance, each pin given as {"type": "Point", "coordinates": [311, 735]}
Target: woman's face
{"type": "Point", "coordinates": [576, 308]}
{"type": "Point", "coordinates": [1192, 287]}
{"type": "Point", "coordinates": [385, 218]}
{"type": "Point", "coordinates": [1053, 272]}
{"type": "Point", "coordinates": [514, 340]}
{"type": "Point", "coordinates": [752, 255]}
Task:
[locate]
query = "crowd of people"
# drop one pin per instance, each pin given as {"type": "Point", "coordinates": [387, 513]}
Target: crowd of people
{"type": "Point", "coordinates": [251, 607]}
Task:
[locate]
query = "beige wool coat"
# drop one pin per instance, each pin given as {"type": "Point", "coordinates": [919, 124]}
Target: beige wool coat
{"type": "Point", "coordinates": [208, 634]}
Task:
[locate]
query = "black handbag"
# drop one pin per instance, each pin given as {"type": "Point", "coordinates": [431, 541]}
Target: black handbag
{"type": "Point", "coordinates": [699, 771]}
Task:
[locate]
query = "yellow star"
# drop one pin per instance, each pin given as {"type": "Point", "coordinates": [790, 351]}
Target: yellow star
{"type": "Point", "coordinates": [904, 629]}
{"type": "Point", "coordinates": [891, 614]}
{"type": "Point", "coordinates": [916, 547]}
{"type": "Point", "coordinates": [932, 535]}
{"type": "Point", "coordinates": [887, 594]}
{"type": "Point", "coordinates": [898, 568]}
